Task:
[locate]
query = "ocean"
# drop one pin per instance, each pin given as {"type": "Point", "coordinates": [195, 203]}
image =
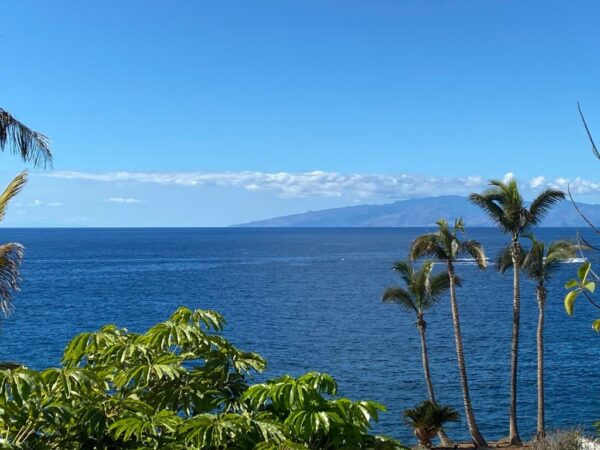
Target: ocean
{"type": "Point", "coordinates": [309, 299]}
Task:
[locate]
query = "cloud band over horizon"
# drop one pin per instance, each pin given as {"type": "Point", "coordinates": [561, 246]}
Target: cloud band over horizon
{"type": "Point", "coordinates": [328, 184]}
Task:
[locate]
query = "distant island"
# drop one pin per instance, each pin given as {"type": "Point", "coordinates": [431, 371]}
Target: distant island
{"type": "Point", "coordinates": [419, 212]}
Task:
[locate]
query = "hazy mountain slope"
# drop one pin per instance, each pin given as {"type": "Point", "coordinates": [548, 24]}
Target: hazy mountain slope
{"type": "Point", "coordinates": [418, 212]}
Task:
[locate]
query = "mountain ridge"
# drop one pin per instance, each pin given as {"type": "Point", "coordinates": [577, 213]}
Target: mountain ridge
{"type": "Point", "coordinates": [418, 212]}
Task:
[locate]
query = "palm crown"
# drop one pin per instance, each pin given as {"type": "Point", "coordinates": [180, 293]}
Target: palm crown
{"type": "Point", "coordinates": [445, 244]}
{"type": "Point", "coordinates": [540, 263]}
{"type": "Point", "coordinates": [505, 206]}
{"type": "Point", "coordinates": [422, 290]}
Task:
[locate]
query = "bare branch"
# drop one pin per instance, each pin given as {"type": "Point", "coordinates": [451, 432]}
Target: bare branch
{"type": "Point", "coordinates": [589, 299]}
{"type": "Point", "coordinates": [587, 130]}
{"type": "Point", "coordinates": [592, 226]}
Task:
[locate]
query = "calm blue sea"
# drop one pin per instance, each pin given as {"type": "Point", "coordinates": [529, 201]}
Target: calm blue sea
{"type": "Point", "coordinates": [309, 299]}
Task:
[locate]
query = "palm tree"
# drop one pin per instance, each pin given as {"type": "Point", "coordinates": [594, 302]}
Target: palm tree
{"type": "Point", "coordinates": [422, 291]}
{"type": "Point", "coordinates": [444, 245]}
{"type": "Point", "coordinates": [32, 147]}
{"type": "Point", "coordinates": [505, 206]}
{"type": "Point", "coordinates": [539, 264]}
{"type": "Point", "coordinates": [427, 418]}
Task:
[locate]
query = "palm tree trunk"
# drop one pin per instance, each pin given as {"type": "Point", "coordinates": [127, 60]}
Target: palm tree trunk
{"type": "Point", "coordinates": [422, 326]}
{"type": "Point", "coordinates": [514, 437]}
{"type": "Point", "coordinates": [476, 435]}
{"type": "Point", "coordinates": [541, 298]}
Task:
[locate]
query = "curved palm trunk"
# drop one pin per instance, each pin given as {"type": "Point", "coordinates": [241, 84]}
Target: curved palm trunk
{"type": "Point", "coordinates": [422, 326]}
{"type": "Point", "coordinates": [514, 437]}
{"type": "Point", "coordinates": [541, 298]}
{"type": "Point", "coordinates": [476, 435]}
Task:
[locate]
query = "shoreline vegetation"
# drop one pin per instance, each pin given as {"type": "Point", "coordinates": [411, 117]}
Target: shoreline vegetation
{"type": "Point", "coordinates": [181, 384]}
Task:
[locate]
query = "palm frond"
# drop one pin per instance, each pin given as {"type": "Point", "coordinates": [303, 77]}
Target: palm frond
{"type": "Point", "coordinates": [542, 204]}
{"type": "Point", "coordinates": [405, 270]}
{"type": "Point", "coordinates": [533, 262]}
{"type": "Point", "coordinates": [500, 185]}
{"type": "Point", "coordinates": [559, 251]}
{"type": "Point", "coordinates": [504, 259]}
{"type": "Point", "coordinates": [399, 296]}
{"type": "Point", "coordinates": [488, 202]}
{"type": "Point", "coordinates": [476, 250]}
{"type": "Point", "coordinates": [428, 245]}
{"type": "Point", "coordinates": [420, 285]}
{"type": "Point", "coordinates": [459, 225]}
{"type": "Point", "coordinates": [30, 145]}
{"type": "Point", "coordinates": [430, 415]}
{"type": "Point", "coordinates": [562, 249]}
{"type": "Point", "coordinates": [11, 256]}
{"type": "Point", "coordinates": [10, 191]}
{"type": "Point", "coordinates": [438, 285]}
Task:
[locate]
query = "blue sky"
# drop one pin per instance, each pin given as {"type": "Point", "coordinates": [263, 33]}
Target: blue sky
{"type": "Point", "coordinates": [198, 113]}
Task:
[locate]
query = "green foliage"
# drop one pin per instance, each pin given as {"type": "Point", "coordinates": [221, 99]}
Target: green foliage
{"type": "Point", "coordinates": [179, 385]}
{"type": "Point", "coordinates": [445, 245]}
{"type": "Point", "coordinates": [32, 147]}
{"type": "Point", "coordinates": [423, 288]}
{"type": "Point", "coordinates": [578, 286]}
{"type": "Point", "coordinates": [428, 417]}
{"type": "Point", "coordinates": [505, 206]}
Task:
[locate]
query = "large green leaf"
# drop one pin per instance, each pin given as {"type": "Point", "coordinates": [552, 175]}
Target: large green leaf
{"type": "Point", "coordinates": [571, 284]}
{"type": "Point", "coordinates": [570, 301]}
{"type": "Point", "coordinates": [583, 271]}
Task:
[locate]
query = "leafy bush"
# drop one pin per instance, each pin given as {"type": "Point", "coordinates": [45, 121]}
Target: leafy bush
{"type": "Point", "coordinates": [180, 385]}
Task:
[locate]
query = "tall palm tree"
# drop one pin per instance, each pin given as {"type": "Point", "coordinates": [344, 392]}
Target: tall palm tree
{"type": "Point", "coordinates": [422, 290]}
{"type": "Point", "coordinates": [32, 147]}
{"type": "Point", "coordinates": [539, 264]}
{"type": "Point", "coordinates": [505, 206]}
{"type": "Point", "coordinates": [444, 245]}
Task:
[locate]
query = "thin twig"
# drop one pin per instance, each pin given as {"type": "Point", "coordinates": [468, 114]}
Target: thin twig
{"type": "Point", "coordinates": [587, 130]}
{"type": "Point", "coordinates": [584, 244]}
{"type": "Point", "coordinates": [592, 226]}
{"type": "Point", "coordinates": [580, 248]}
{"type": "Point", "coordinates": [589, 298]}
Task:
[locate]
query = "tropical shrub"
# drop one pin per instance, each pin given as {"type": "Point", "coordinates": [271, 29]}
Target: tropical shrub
{"type": "Point", "coordinates": [179, 385]}
{"type": "Point", "coordinates": [427, 418]}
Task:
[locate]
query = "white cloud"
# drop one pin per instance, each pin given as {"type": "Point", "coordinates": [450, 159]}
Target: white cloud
{"type": "Point", "coordinates": [41, 203]}
{"type": "Point", "coordinates": [537, 182]}
{"type": "Point", "coordinates": [304, 184]}
{"type": "Point", "coordinates": [124, 200]}
{"type": "Point", "coordinates": [326, 184]}
{"type": "Point", "coordinates": [508, 177]}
